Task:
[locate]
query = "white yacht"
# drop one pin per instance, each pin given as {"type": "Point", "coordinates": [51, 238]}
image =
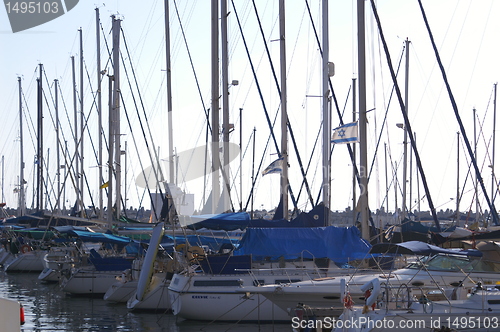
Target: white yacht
{"type": "Point", "coordinates": [218, 295]}
{"type": "Point", "coordinates": [382, 311]}
{"type": "Point", "coordinates": [445, 269]}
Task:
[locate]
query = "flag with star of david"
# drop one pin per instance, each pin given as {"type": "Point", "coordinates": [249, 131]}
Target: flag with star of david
{"type": "Point", "coordinates": [275, 167]}
{"type": "Point", "coordinates": [347, 133]}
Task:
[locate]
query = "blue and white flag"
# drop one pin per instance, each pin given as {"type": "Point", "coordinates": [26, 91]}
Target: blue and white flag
{"type": "Point", "coordinates": [275, 167]}
{"type": "Point", "coordinates": [347, 133]}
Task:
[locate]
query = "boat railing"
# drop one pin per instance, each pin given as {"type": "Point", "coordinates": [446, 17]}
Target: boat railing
{"type": "Point", "coordinates": [409, 297]}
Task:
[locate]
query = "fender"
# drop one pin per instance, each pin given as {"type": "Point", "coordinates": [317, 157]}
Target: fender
{"type": "Point", "coordinates": [375, 285]}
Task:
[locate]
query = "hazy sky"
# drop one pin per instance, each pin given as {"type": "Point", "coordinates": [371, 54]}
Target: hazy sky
{"type": "Point", "coordinates": [466, 34]}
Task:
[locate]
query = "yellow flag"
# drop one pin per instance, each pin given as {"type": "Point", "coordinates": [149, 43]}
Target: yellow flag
{"type": "Point", "coordinates": [104, 185]}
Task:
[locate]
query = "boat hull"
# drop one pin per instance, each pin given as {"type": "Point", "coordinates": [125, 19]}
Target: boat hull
{"type": "Point", "coordinates": [155, 299]}
{"type": "Point", "coordinates": [31, 261]}
{"type": "Point", "coordinates": [120, 291]}
{"type": "Point", "coordinates": [84, 282]}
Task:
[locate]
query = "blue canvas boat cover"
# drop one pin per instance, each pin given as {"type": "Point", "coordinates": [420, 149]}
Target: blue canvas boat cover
{"type": "Point", "coordinates": [419, 248]}
{"type": "Point", "coordinates": [223, 221]}
{"type": "Point", "coordinates": [213, 243]}
{"type": "Point", "coordinates": [100, 237]}
{"type": "Point", "coordinates": [241, 220]}
{"type": "Point", "coordinates": [340, 244]}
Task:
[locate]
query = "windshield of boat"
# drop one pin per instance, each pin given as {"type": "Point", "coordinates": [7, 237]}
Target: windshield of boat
{"type": "Point", "coordinates": [456, 263]}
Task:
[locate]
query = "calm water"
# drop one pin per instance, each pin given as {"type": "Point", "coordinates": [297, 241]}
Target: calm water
{"type": "Point", "coordinates": [49, 309]}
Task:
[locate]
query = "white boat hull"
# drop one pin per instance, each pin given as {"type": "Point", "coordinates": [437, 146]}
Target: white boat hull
{"type": "Point", "coordinates": [5, 256]}
{"type": "Point", "coordinates": [478, 312]}
{"type": "Point", "coordinates": [326, 293]}
{"type": "Point", "coordinates": [220, 299]}
{"type": "Point", "coordinates": [120, 291]}
{"type": "Point", "coordinates": [87, 282]}
{"type": "Point", "coordinates": [49, 275]}
{"type": "Point", "coordinates": [31, 261]}
{"type": "Point", "coordinates": [156, 298]}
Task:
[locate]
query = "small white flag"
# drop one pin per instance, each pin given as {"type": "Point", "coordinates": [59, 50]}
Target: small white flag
{"type": "Point", "coordinates": [347, 133]}
{"type": "Point", "coordinates": [275, 167]}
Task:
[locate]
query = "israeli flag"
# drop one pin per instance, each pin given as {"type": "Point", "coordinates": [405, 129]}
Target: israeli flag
{"type": "Point", "coordinates": [347, 133]}
{"type": "Point", "coordinates": [275, 167]}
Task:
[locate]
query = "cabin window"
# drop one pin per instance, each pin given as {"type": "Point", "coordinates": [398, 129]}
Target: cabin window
{"type": "Point", "coordinates": [449, 263]}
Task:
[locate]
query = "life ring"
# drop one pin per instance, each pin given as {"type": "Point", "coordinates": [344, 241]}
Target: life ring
{"type": "Point", "coordinates": [25, 248]}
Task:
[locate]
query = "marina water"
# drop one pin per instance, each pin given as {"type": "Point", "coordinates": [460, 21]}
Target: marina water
{"type": "Point", "coordinates": [47, 308]}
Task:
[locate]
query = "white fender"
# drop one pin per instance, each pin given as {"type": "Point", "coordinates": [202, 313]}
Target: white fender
{"type": "Point", "coordinates": [342, 290]}
{"type": "Point", "coordinates": [375, 285]}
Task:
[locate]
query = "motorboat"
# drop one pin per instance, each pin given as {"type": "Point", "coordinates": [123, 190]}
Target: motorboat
{"type": "Point", "coordinates": [434, 268]}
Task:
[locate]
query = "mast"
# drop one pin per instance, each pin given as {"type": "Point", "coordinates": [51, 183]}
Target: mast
{"type": "Point", "coordinates": [169, 97]}
{"type": "Point", "coordinates": [99, 112]}
{"type": "Point", "coordinates": [475, 156]}
{"type": "Point", "coordinates": [253, 171]}
{"type": "Point", "coordinates": [363, 157]}
{"type": "Point", "coordinates": [405, 141]}
{"type": "Point", "coordinates": [354, 116]}
{"type": "Point", "coordinates": [494, 144]}
{"type": "Point", "coordinates": [75, 136]}
{"type": "Point", "coordinates": [116, 112]}
{"type": "Point", "coordinates": [82, 120]}
{"type": "Point", "coordinates": [125, 179]}
{"type": "Point", "coordinates": [111, 135]}
{"type": "Point", "coordinates": [39, 204]}
{"type": "Point", "coordinates": [3, 178]}
{"type": "Point", "coordinates": [241, 159]}
{"type": "Point", "coordinates": [58, 155]}
{"type": "Point", "coordinates": [225, 103]}
{"type": "Point", "coordinates": [22, 202]}
{"type": "Point", "coordinates": [284, 114]}
{"type": "Point", "coordinates": [326, 115]}
{"type": "Point", "coordinates": [386, 185]}
{"type": "Point", "coordinates": [458, 180]}
{"type": "Point", "coordinates": [215, 104]}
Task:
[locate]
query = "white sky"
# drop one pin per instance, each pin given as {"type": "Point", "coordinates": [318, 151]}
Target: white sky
{"type": "Point", "coordinates": [466, 33]}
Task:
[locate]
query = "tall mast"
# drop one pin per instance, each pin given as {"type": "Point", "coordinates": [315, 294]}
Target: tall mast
{"type": "Point", "coordinates": [82, 121]}
{"type": "Point", "coordinates": [284, 114]}
{"type": "Point", "coordinates": [354, 117]}
{"type": "Point", "coordinates": [493, 184]}
{"type": "Point", "coordinates": [99, 112]}
{"type": "Point", "coordinates": [58, 155]}
{"type": "Point", "coordinates": [476, 177]}
{"type": "Point", "coordinates": [171, 153]}
{"type": "Point", "coordinates": [22, 203]}
{"type": "Point", "coordinates": [386, 185]}
{"type": "Point", "coordinates": [215, 104]}
{"type": "Point", "coordinates": [363, 157]}
{"type": "Point", "coordinates": [111, 135]}
{"type": "Point", "coordinates": [3, 179]}
{"type": "Point", "coordinates": [225, 104]}
{"type": "Point", "coordinates": [405, 141]}
{"type": "Point", "coordinates": [39, 204]}
{"type": "Point", "coordinates": [116, 111]}
{"type": "Point", "coordinates": [326, 115]}
{"type": "Point", "coordinates": [458, 180]}
{"type": "Point", "coordinates": [75, 136]}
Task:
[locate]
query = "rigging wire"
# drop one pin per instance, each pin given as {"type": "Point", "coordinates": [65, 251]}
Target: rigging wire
{"type": "Point", "coordinates": [455, 109]}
